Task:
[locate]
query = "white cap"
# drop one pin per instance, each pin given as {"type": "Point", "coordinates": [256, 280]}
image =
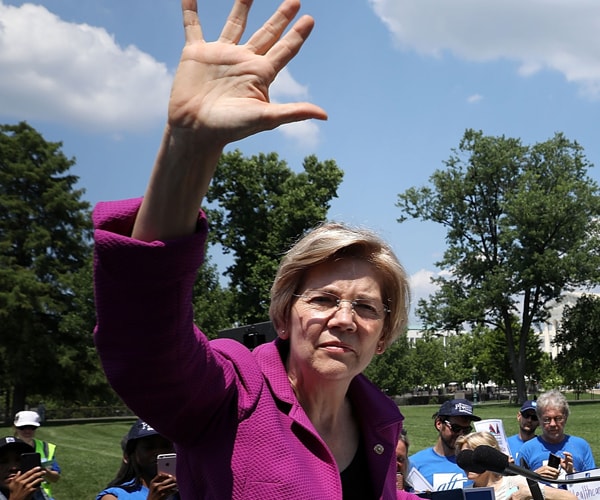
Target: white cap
{"type": "Point", "coordinates": [24, 418]}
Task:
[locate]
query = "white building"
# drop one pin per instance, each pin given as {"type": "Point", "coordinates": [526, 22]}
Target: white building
{"type": "Point", "coordinates": [546, 330]}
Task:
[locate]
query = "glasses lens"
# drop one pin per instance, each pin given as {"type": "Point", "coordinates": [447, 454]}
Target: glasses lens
{"type": "Point", "coordinates": [326, 304]}
{"type": "Point", "coordinates": [457, 429]}
{"type": "Point", "coordinates": [531, 416]}
{"type": "Point", "coordinates": [558, 420]}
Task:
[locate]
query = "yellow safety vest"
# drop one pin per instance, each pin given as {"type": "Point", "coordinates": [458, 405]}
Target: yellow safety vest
{"type": "Point", "coordinates": [46, 451]}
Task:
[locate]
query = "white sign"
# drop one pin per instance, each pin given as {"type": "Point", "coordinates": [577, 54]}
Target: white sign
{"type": "Point", "coordinates": [585, 491]}
{"type": "Point", "coordinates": [495, 427]}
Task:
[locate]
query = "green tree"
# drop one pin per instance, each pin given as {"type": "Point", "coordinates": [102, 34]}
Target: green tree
{"type": "Point", "coordinates": [521, 228]}
{"type": "Point", "coordinates": [212, 301]}
{"type": "Point", "coordinates": [82, 380]}
{"type": "Point", "coordinates": [262, 207]}
{"type": "Point", "coordinates": [44, 238]}
{"type": "Point", "coordinates": [577, 339]}
{"type": "Point", "coordinates": [427, 363]}
{"type": "Point", "coordinates": [389, 371]}
{"type": "Point", "coordinates": [494, 362]}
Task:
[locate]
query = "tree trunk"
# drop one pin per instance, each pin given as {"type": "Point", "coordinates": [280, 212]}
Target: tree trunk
{"type": "Point", "coordinates": [18, 400]}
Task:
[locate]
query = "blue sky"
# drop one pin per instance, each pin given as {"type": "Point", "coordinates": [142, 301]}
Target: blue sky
{"type": "Point", "coordinates": [401, 80]}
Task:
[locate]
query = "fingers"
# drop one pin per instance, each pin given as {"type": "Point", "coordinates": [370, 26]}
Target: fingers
{"type": "Point", "coordinates": [279, 114]}
{"type": "Point", "coordinates": [191, 23]}
{"type": "Point", "coordinates": [267, 36]}
{"type": "Point", "coordinates": [287, 48]}
{"type": "Point", "coordinates": [236, 22]}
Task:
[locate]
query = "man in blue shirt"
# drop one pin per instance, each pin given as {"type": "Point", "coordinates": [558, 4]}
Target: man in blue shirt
{"type": "Point", "coordinates": [438, 463]}
{"type": "Point", "coordinates": [528, 423]}
{"type": "Point", "coordinates": [575, 453]}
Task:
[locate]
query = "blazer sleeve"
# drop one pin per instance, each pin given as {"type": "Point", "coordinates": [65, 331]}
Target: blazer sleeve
{"type": "Point", "coordinates": [157, 360]}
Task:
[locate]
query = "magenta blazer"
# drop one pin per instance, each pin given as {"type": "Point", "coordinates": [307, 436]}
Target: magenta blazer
{"type": "Point", "coordinates": [239, 431]}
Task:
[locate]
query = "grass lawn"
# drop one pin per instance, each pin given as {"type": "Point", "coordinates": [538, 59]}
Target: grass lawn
{"type": "Point", "coordinates": [90, 454]}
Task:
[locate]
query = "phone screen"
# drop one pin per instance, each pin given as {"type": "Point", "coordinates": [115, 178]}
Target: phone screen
{"type": "Point", "coordinates": [29, 461]}
{"type": "Point", "coordinates": [554, 461]}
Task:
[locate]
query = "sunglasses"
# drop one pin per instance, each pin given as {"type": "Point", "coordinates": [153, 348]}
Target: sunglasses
{"type": "Point", "coordinates": [458, 429]}
{"type": "Point", "coordinates": [531, 416]}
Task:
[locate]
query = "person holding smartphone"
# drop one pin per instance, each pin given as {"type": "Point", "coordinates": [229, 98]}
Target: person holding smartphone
{"type": "Point", "coordinates": [574, 453]}
{"type": "Point", "coordinates": [138, 478]}
{"type": "Point", "coordinates": [16, 483]}
{"type": "Point", "coordinates": [505, 487]}
{"type": "Point", "coordinates": [26, 424]}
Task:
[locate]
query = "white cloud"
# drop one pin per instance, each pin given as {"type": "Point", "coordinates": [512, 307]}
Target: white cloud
{"type": "Point", "coordinates": [472, 99]}
{"type": "Point", "coordinates": [78, 75]}
{"type": "Point", "coordinates": [286, 89]}
{"type": "Point", "coordinates": [75, 74]}
{"type": "Point", "coordinates": [305, 133]}
{"type": "Point", "coordinates": [421, 286]}
{"type": "Point", "coordinates": [557, 35]}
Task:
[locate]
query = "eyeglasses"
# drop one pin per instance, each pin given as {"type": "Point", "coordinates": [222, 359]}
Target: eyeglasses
{"type": "Point", "coordinates": [458, 429]}
{"type": "Point", "coordinates": [530, 416]}
{"type": "Point", "coordinates": [558, 420]}
{"type": "Point", "coordinates": [326, 304]}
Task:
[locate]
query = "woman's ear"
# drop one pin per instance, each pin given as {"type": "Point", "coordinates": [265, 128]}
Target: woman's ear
{"type": "Point", "coordinates": [282, 333]}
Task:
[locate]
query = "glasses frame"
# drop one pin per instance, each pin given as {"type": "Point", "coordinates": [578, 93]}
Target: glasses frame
{"type": "Point", "coordinates": [309, 294]}
{"type": "Point", "coordinates": [559, 419]}
{"type": "Point", "coordinates": [458, 429]}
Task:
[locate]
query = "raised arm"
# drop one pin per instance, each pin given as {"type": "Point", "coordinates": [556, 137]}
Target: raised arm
{"type": "Point", "coordinates": [220, 94]}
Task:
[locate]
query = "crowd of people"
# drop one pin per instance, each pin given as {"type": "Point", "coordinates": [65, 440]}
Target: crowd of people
{"type": "Point", "coordinates": [138, 478]}
{"type": "Point", "coordinates": [439, 466]}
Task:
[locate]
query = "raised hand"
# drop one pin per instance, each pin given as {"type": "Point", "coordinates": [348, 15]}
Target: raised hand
{"type": "Point", "coordinates": [220, 94]}
{"type": "Point", "coordinates": [221, 89]}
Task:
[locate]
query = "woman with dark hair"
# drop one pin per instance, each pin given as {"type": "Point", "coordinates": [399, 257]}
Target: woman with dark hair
{"type": "Point", "coordinates": [137, 478]}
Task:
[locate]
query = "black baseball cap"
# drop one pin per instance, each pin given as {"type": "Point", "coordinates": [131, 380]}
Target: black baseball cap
{"type": "Point", "coordinates": [18, 445]}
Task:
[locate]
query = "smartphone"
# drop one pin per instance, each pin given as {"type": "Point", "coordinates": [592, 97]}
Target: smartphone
{"type": "Point", "coordinates": [166, 462]}
{"type": "Point", "coordinates": [29, 461]}
{"type": "Point", "coordinates": [554, 461]}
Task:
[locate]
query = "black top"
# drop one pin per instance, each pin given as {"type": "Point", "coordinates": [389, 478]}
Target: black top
{"type": "Point", "coordinates": [356, 481]}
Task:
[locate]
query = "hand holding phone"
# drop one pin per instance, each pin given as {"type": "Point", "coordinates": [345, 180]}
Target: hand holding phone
{"type": "Point", "coordinates": [554, 461]}
{"type": "Point", "coordinates": [167, 463]}
{"type": "Point", "coordinates": [29, 461]}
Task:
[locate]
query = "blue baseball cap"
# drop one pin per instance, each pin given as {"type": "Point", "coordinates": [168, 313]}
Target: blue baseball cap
{"type": "Point", "coordinates": [457, 408]}
{"type": "Point", "coordinates": [139, 430]}
{"type": "Point", "coordinates": [528, 405]}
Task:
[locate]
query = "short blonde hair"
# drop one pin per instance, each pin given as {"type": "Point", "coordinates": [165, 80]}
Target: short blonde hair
{"type": "Point", "coordinates": [476, 439]}
{"type": "Point", "coordinates": [334, 241]}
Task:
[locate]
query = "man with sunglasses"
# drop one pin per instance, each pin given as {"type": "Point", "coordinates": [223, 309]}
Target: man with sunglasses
{"type": "Point", "coordinates": [528, 423]}
{"type": "Point", "coordinates": [438, 463]}
{"type": "Point", "coordinates": [574, 452]}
